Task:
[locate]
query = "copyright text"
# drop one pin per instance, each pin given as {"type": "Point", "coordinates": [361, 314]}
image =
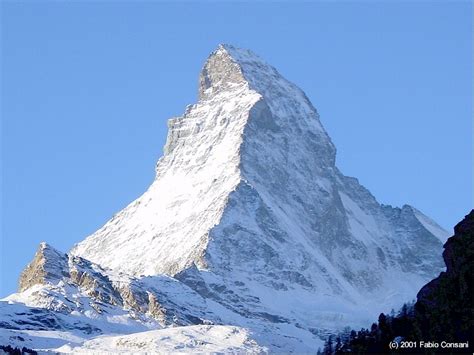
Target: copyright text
{"type": "Point", "coordinates": [427, 345]}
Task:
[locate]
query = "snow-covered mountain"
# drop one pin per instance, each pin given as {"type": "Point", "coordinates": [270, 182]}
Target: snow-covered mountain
{"type": "Point", "coordinates": [249, 224]}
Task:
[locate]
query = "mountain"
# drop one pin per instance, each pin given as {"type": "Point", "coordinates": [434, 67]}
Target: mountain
{"type": "Point", "coordinates": [250, 218]}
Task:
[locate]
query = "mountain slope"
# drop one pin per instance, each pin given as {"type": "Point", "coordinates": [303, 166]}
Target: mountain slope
{"type": "Point", "coordinates": [249, 213]}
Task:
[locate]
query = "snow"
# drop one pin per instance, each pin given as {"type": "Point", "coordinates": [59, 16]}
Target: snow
{"type": "Point", "coordinates": [432, 226]}
{"type": "Point", "coordinates": [39, 340]}
{"type": "Point", "coordinates": [182, 340]}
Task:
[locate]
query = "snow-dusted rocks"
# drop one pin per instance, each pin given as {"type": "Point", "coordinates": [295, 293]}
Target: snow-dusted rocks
{"type": "Point", "coordinates": [250, 219]}
{"type": "Point", "coordinates": [87, 290]}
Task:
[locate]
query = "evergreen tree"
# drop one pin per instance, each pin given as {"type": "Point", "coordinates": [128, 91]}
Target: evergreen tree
{"type": "Point", "coordinates": [338, 346]}
{"type": "Point", "coordinates": [328, 349]}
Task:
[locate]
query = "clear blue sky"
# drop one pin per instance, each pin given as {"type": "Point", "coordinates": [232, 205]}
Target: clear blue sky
{"type": "Point", "coordinates": [87, 90]}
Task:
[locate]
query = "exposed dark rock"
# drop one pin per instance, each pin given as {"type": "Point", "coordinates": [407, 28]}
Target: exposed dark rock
{"type": "Point", "coordinates": [445, 306]}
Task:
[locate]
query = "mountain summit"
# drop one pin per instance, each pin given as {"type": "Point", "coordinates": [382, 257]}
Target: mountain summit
{"type": "Point", "coordinates": [249, 214]}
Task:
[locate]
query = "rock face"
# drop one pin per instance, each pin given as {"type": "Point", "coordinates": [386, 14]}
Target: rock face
{"type": "Point", "coordinates": [445, 306]}
{"type": "Point", "coordinates": [252, 218]}
{"type": "Point", "coordinates": [48, 264]}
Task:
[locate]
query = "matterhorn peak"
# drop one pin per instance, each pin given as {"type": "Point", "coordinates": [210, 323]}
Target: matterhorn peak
{"type": "Point", "coordinates": [248, 222]}
{"type": "Point", "coordinates": [229, 66]}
